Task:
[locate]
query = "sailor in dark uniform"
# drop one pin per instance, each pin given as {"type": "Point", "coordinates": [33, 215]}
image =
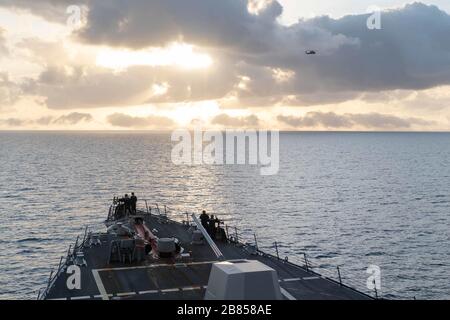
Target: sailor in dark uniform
{"type": "Point", "coordinates": [204, 218]}
{"type": "Point", "coordinates": [133, 201]}
{"type": "Point", "coordinates": [212, 226]}
{"type": "Point", "coordinates": [126, 203]}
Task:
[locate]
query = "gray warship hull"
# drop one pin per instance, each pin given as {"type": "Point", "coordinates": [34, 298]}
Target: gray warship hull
{"type": "Point", "coordinates": [182, 278]}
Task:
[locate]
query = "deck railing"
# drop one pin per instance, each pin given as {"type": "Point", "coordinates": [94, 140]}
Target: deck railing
{"type": "Point", "coordinates": [234, 234]}
{"type": "Point", "coordinates": [276, 250]}
{"type": "Point", "coordinates": [70, 256]}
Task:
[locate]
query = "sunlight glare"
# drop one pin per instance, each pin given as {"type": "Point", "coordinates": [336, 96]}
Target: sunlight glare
{"type": "Point", "coordinates": [178, 54]}
{"type": "Point", "coordinates": [203, 111]}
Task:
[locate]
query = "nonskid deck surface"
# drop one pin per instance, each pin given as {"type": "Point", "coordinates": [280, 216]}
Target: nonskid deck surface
{"type": "Point", "coordinates": [184, 279]}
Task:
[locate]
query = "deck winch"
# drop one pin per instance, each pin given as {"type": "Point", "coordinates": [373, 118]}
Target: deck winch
{"type": "Point", "coordinates": [167, 247]}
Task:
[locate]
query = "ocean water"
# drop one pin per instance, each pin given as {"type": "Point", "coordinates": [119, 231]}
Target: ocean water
{"type": "Point", "coordinates": [345, 199]}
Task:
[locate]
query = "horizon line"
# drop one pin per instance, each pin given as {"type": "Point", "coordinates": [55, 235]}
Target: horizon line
{"type": "Point", "coordinates": [169, 130]}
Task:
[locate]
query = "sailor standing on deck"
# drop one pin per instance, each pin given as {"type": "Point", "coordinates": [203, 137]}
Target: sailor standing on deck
{"type": "Point", "coordinates": [126, 204]}
{"type": "Point", "coordinates": [212, 226]}
{"type": "Point", "coordinates": [133, 201]}
{"type": "Point", "coordinates": [204, 218]}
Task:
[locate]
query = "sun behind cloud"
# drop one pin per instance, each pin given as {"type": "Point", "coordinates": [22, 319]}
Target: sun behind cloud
{"type": "Point", "coordinates": [222, 63]}
{"type": "Point", "coordinates": [180, 55]}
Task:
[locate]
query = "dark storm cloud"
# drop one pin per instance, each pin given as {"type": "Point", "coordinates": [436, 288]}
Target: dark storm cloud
{"type": "Point", "coordinates": [332, 120]}
{"type": "Point", "coordinates": [127, 121]}
{"type": "Point", "coordinates": [228, 121]}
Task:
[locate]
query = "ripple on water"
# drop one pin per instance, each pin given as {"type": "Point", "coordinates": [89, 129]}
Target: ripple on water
{"type": "Point", "coordinates": [333, 198]}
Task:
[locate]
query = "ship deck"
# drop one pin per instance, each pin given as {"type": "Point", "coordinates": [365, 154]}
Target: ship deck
{"type": "Point", "coordinates": [184, 279]}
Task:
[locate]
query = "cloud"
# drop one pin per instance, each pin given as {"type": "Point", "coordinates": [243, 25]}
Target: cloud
{"type": "Point", "coordinates": [4, 51]}
{"type": "Point", "coordinates": [92, 87]}
{"type": "Point", "coordinates": [383, 121]}
{"type": "Point", "coordinates": [127, 121]}
{"type": "Point", "coordinates": [52, 10]}
{"type": "Point", "coordinates": [435, 99]}
{"type": "Point", "coordinates": [237, 40]}
{"type": "Point", "coordinates": [9, 91]}
{"type": "Point", "coordinates": [72, 118]}
{"type": "Point", "coordinates": [228, 121]}
{"type": "Point", "coordinates": [313, 119]}
{"type": "Point", "coordinates": [66, 83]}
{"type": "Point", "coordinates": [44, 121]}
{"type": "Point", "coordinates": [89, 87]}
{"type": "Point", "coordinates": [209, 23]}
{"type": "Point", "coordinates": [48, 53]}
{"type": "Point", "coordinates": [405, 54]}
{"type": "Point", "coordinates": [332, 120]}
{"type": "Point", "coordinates": [12, 122]}
{"type": "Point", "coordinates": [410, 52]}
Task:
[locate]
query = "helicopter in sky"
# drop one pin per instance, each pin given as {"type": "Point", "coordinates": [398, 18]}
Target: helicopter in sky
{"type": "Point", "coordinates": [310, 52]}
